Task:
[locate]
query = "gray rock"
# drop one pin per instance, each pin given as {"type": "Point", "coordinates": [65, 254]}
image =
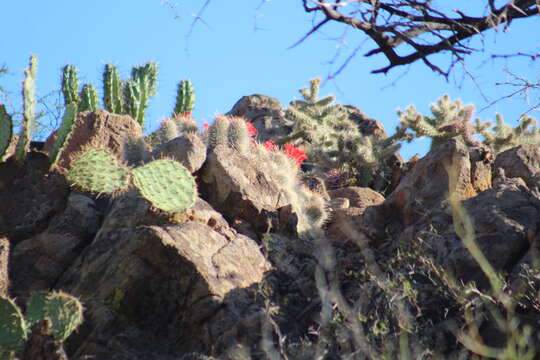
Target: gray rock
{"type": "Point", "coordinates": [188, 149]}
{"type": "Point", "coordinates": [522, 161]}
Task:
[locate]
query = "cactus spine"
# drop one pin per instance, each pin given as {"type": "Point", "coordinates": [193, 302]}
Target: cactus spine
{"type": "Point", "coordinates": [89, 98]}
{"type": "Point", "coordinates": [165, 183]}
{"type": "Point", "coordinates": [112, 90]}
{"type": "Point", "coordinates": [229, 131]}
{"type": "Point", "coordinates": [70, 85]}
{"type": "Point", "coordinates": [185, 99]}
{"type": "Point", "coordinates": [29, 107]}
{"type": "Point", "coordinates": [6, 131]}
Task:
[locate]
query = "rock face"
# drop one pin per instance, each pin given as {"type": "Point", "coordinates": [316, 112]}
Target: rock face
{"type": "Point", "coordinates": [98, 127]}
{"type": "Point", "coordinates": [265, 113]}
{"type": "Point", "coordinates": [39, 261]}
{"type": "Point", "coordinates": [156, 290]}
{"type": "Point", "coordinates": [521, 162]}
{"type": "Point", "coordinates": [188, 149]}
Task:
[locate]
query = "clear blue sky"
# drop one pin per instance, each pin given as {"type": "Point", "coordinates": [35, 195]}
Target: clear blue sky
{"type": "Point", "coordinates": [240, 51]}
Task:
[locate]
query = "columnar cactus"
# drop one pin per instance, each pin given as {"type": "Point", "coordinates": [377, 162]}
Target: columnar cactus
{"type": "Point", "coordinates": [185, 99]}
{"type": "Point", "coordinates": [165, 183]}
{"type": "Point", "coordinates": [112, 90]}
{"type": "Point", "coordinates": [63, 133]}
{"type": "Point", "coordinates": [139, 89]}
{"type": "Point", "coordinates": [29, 106]}
{"type": "Point", "coordinates": [6, 131]}
{"type": "Point", "coordinates": [70, 85]}
{"type": "Point", "coordinates": [89, 98]}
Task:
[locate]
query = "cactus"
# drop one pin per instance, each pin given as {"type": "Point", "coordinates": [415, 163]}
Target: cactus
{"type": "Point", "coordinates": [13, 333]}
{"type": "Point", "coordinates": [62, 135]}
{"type": "Point", "coordinates": [450, 119]}
{"type": "Point", "coordinates": [70, 85]}
{"type": "Point", "coordinates": [166, 184]}
{"type": "Point", "coordinates": [29, 105]}
{"type": "Point", "coordinates": [64, 310]}
{"type": "Point", "coordinates": [237, 135]}
{"type": "Point", "coordinates": [504, 136]}
{"type": "Point", "coordinates": [167, 130]}
{"type": "Point", "coordinates": [6, 131]}
{"type": "Point", "coordinates": [112, 90]}
{"type": "Point", "coordinates": [218, 132]}
{"type": "Point", "coordinates": [97, 170]}
{"type": "Point", "coordinates": [139, 89]}
{"type": "Point", "coordinates": [185, 99]}
{"type": "Point", "coordinates": [185, 124]}
{"type": "Point", "coordinates": [89, 98]}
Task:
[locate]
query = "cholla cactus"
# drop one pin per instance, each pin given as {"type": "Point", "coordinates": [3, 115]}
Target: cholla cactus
{"type": "Point", "coordinates": [450, 119]}
{"type": "Point", "coordinates": [503, 136]}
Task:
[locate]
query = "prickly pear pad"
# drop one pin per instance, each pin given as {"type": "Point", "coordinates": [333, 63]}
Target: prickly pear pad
{"type": "Point", "coordinates": [64, 310]}
{"type": "Point", "coordinates": [12, 327]}
{"type": "Point", "coordinates": [98, 171]}
{"type": "Point", "coordinates": [167, 184]}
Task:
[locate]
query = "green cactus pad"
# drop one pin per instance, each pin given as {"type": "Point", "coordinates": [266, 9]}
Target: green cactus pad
{"type": "Point", "coordinates": [6, 130]}
{"type": "Point", "coordinates": [64, 310]}
{"type": "Point", "coordinates": [98, 171]}
{"type": "Point", "coordinates": [12, 326]}
{"type": "Point", "coordinates": [167, 184]}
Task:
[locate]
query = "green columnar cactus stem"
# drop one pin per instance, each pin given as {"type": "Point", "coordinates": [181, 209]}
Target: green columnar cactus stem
{"type": "Point", "coordinates": [112, 90]}
{"type": "Point", "coordinates": [29, 106]}
{"type": "Point", "coordinates": [70, 85]}
{"type": "Point", "coordinates": [98, 171]}
{"type": "Point", "coordinates": [185, 99]}
{"type": "Point", "coordinates": [141, 87]}
{"type": "Point", "coordinates": [12, 327]}
{"type": "Point", "coordinates": [64, 310]}
{"type": "Point", "coordinates": [6, 131]}
{"type": "Point", "coordinates": [89, 98]}
{"type": "Point", "coordinates": [166, 184]}
{"type": "Point", "coordinates": [65, 130]}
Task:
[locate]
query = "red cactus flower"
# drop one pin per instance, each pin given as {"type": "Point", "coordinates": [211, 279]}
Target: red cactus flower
{"type": "Point", "coordinates": [296, 153]}
{"type": "Point", "coordinates": [205, 126]}
{"type": "Point", "coordinates": [269, 145]}
{"type": "Point", "coordinates": [252, 131]}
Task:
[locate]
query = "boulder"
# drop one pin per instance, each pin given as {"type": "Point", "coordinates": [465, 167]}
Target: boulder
{"type": "Point", "coordinates": [505, 221]}
{"type": "Point", "coordinates": [99, 128]}
{"type": "Point", "coordinates": [38, 262]}
{"type": "Point", "coordinates": [265, 113]}
{"type": "Point", "coordinates": [188, 149]}
{"type": "Point", "coordinates": [522, 161]}
{"type": "Point", "coordinates": [154, 291]}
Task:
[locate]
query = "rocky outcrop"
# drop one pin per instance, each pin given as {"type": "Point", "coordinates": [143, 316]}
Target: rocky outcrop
{"type": "Point", "coordinates": [522, 161]}
{"type": "Point", "coordinates": [265, 113]}
{"type": "Point", "coordinates": [188, 149]}
{"type": "Point", "coordinates": [100, 128]}
{"type": "Point", "coordinates": [155, 290]}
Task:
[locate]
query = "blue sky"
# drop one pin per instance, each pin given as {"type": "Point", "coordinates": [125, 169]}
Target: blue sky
{"type": "Point", "coordinates": [241, 49]}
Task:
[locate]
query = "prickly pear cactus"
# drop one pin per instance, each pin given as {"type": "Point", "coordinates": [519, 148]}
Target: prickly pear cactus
{"type": "Point", "coordinates": [13, 332]}
{"type": "Point", "coordinates": [64, 310]}
{"type": "Point", "coordinates": [98, 171]}
{"type": "Point", "coordinates": [6, 131]}
{"type": "Point", "coordinates": [185, 99]}
{"type": "Point", "coordinates": [66, 128]}
{"type": "Point", "coordinates": [89, 98]}
{"type": "Point", "coordinates": [166, 184]}
{"type": "Point", "coordinates": [70, 85]}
